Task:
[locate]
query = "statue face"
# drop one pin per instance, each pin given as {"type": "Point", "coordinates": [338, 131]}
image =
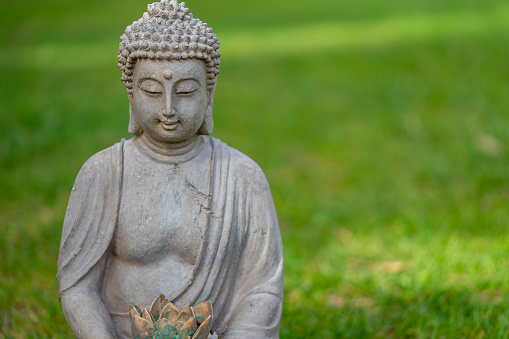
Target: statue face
{"type": "Point", "coordinates": [170, 98]}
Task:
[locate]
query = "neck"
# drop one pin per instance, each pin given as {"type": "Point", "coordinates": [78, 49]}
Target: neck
{"type": "Point", "coordinates": [167, 148]}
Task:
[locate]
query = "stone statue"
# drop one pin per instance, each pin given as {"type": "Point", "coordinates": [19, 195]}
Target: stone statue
{"type": "Point", "coordinates": [171, 210]}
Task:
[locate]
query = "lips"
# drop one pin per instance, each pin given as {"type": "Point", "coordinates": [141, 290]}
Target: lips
{"type": "Point", "coordinates": [169, 125]}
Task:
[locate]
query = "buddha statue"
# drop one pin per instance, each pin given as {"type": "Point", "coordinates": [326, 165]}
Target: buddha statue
{"type": "Point", "coordinates": [171, 210]}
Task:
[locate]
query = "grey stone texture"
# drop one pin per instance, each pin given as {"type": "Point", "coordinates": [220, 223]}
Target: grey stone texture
{"type": "Point", "coordinates": [171, 210]}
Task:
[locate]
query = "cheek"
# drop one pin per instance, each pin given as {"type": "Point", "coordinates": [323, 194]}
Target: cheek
{"type": "Point", "coordinates": [192, 108]}
{"type": "Point", "coordinates": [150, 110]}
{"type": "Point", "coordinates": [196, 107]}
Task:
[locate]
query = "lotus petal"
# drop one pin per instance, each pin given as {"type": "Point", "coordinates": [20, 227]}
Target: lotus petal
{"type": "Point", "coordinates": [134, 311]}
{"type": "Point", "coordinates": [163, 301]}
{"type": "Point", "coordinates": [185, 315]}
{"type": "Point", "coordinates": [141, 328]}
{"type": "Point", "coordinates": [166, 329]}
{"type": "Point", "coordinates": [136, 325]}
{"type": "Point", "coordinates": [188, 328]}
{"type": "Point", "coordinates": [147, 316]}
{"type": "Point", "coordinates": [203, 311]}
{"type": "Point", "coordinates": [170, 312]}
{"type": "Point", "coordinates": [203, 331]}
{"type": "Point", "coordinates": [156, 306]}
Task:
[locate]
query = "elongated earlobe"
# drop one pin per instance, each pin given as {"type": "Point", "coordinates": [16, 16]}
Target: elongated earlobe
{"type": "Point", "coordinates": [134, 128]}
{"type": "Point", "coordinates": [208, 123]}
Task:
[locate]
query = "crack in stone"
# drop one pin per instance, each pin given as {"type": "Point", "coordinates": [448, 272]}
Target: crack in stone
{"type": "Point", "coordinates": [198, 194]}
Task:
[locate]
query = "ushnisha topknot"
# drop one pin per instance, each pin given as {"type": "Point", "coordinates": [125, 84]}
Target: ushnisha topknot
{"type": "Point", "coordinates": [168, 31]}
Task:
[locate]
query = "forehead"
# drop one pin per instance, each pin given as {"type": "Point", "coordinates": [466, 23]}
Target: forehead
{"type": "Point", "coordinates": [174, 69]}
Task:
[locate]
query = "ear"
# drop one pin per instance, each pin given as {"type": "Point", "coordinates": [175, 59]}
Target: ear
{"type": "Point", "coordinates": [134, 128]}
{"type": "Point", "coordinates": [208, 123]}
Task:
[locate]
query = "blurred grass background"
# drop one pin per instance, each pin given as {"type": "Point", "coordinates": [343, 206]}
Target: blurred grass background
{"type": "Point", "coordinates": [382, 127]}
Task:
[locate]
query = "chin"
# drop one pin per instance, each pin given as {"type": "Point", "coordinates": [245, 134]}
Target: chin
{"type": "Point", "coordinates": [170, 137]}
{"type": "Point", "coordinates": [173, 139]}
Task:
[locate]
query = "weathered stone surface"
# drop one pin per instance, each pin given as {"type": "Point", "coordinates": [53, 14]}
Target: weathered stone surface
{"type": "Point", "coordinates": [171, 210]}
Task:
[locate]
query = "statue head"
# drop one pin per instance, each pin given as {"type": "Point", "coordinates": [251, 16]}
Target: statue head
{"type": "Point", "coordinates": [168, 33]}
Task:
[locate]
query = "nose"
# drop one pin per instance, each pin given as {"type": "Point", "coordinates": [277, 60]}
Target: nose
{"type": "Point", "coordinates": [169, 109]}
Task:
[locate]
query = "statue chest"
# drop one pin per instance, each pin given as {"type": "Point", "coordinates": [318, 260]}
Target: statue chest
{"type": "Point", "coordinates": [162, 215]}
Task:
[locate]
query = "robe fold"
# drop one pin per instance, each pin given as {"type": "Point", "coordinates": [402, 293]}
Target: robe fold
{"type": "Point", "coordinates": [240, 268]}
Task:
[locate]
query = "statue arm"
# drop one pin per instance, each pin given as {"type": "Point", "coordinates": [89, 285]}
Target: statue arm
{"type": "Point", "coordinates": [259, 285]}
{"type": "Point", "coordinates": [86, 236]}
{"type": "Point", "coordinates": [84, 309]}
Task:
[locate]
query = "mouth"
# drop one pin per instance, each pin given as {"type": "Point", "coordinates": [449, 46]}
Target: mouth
{"type": "Point", "coordinates": [169, 125]}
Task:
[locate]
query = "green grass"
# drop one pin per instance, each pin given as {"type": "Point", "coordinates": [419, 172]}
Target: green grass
{"type": "Point", "coordinates": [382, 127]}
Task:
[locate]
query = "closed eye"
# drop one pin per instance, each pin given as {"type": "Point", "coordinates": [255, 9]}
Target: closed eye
{"type": "Point", "coordinates": [183, 92]}
{"type": "Point", "coordinates": [187, 87]}
{"type": "Point", "coordinates": [151, 87]}
{"type": "Point", "coordinates": [152, 91]}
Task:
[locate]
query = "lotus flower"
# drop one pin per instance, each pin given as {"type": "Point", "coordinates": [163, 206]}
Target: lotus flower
{"type": "Point", "coordinates": [164, 321]}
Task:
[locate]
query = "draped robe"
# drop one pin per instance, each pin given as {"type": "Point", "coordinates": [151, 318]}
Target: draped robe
{"type": "Point", "coordinates": [240, 268]}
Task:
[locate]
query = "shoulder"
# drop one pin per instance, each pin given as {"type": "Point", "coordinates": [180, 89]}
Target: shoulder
{"type": "Point", "coordinates": [106, 161]}
{"type": "Point", "coordinates": [241, 166]}
{"type": "Point", "coordinates": [104, 157]}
